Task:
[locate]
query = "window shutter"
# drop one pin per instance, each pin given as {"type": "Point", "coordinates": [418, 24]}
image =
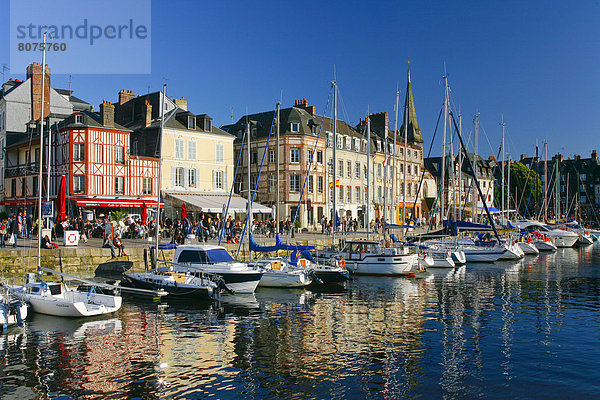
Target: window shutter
{"type": "Point", "coordinates": [173, 177]}
{"type": "Point", "coordinates": [186, 179]}
{"type": "Point", "coordinates": [225, 187]}
{"type": "Point", "coordinates": [197, 173]}
{"type": "Point", "coordinates": [214, 179]}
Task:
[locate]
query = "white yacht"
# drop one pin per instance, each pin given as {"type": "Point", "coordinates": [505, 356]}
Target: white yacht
{"type": "Point", "coordinates": [528, 246]}
{"type": "Point", "coordinates": [56, 298]}
{"type": "Point", "coordinates": [438, 259]}
{"type": "Point", "coordinates": [363, 257]}
{"type": "Point", "coordinates": [560, 237]}
{"type": "Point", "coordinates": [238, 276]}
{"type": "Point", "coordinates": [278, 272]}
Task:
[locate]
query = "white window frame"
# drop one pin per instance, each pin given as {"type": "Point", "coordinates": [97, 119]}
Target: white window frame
{"type": "Point", "coordinates": [349, 169]}
{"type": "Point", "coordinates": [294, 183]}
{"type": "Point", "coordinates": [294, 127]}
{"type": "Point", "coordinates": [79, 152]}
{"type": "Point", "coordinates": [179, 176]}
{"type": "Point", "coordinates": [192, 178]}
{"type": "Point", "coordinates": [272, 183]}
{"type": "Point", "coordinates": [120, 154]}
{"type": "Point", "coordinates": [295, 155]}
{"type": "Point", "coordinates": [272, 157]}
{"type": "Point", "coordinates": [218, 179]}
{"type": "Point", "coordinates": [191, 125]}
{"type": "Point", "coordinates": [78, 184]}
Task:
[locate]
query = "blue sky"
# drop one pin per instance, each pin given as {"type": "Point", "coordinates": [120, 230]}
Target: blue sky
{"type": "Point", "coordinates": [535, 62]}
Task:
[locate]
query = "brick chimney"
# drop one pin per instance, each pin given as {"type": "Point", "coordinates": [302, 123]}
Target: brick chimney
{"type": "Point", "coordinates": [148, 107]}
{"type": "Point", "coordinates": [34, 72]}
{"type": "Point", "coordinates": [594, 155]}
{"type": "Point", "coordinates": [107, 114]}
{"type": "Point", "coordinates": [523, 156]}
{"type": "Point", "coordinates": [125, 96]}
{"type": "Point", "coordinates": [181, 103]}
{"type": "Point", "coordinates": [303, 104]}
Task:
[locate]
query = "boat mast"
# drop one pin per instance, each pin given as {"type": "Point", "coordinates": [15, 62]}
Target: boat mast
{"type": "Point", "coordinates": [385, 188]}
{"type": "Point", "coordinates": [162, 125]}
{"type": "Point", "coordinates": [405, 151]}
{"type": "Point", "coordinates": [452, 173]}
{"type": "Point", "coordinates": [334, 217]}
{"type": "Point", "coordinates": [443, 148]}
{"type": "Point", "coordinates": [249, 217]}
{"type": "Point", "coordinates": [557, 193]}
{"type": "Point", "coordinates": [475, 163]}
{"type": "Point", "coordinates": [368, 188]}
{"type": "Point", "coordinates": [278, 177]}
{"type": "Point", "coordinates": [545, 180]}
{"type": "Point", "coordinates": [40, 223]}
{"type": "Point", "coordinates": [502, 174]}
{"type": "Point", "coordinates": [508, 184]}
{"type": "Point", "coordinates": [395, 153]}
{"type": "Point", "coordinates": [460, 162]}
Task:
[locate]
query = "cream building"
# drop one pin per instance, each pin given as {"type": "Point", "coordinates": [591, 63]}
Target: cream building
{"type": "Point", "coordinates": [197, 157]}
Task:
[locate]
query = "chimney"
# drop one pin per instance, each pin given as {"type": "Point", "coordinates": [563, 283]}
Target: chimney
{"type": "Point", "coordinates": [148, 113]}
{"type": "Point", "coordinates": [380, 121]}
{"type": "Point", "coordinates": [107, 114]}
{"type": "Point", "coordinates": [34, 72]}
{"type": "Point", "coordinates": [125, 96]}
{"type": "Point", "coordinates": [181, 103]}
{"type": "Point", "coordinates": [594, 154]}
{"type": "Point", "coordinates": [303, 104]}
{"type": "Point", "coordinates": [523, 156]}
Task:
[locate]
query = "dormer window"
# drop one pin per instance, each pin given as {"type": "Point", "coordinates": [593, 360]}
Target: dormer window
{"type": "Point", "coordinates": [207, 125]}
{"type": "Point", "coordinates": [191, 122]}
{"type": "Point", "coordinates": [294, 127]}
{"type": "Point", "coordinates": [79, 118]}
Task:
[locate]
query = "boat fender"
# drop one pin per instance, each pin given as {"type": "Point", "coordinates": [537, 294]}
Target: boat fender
{"type": "Point", "coordinates": [387, 244]}
{"type": "Point", "coordinates": [529, 240]}
{"type": "Point", "coordinates": [342, 263]}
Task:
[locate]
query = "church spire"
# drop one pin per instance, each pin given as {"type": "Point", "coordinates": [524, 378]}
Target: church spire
{"type": "Point", "coordinates": [414, 132]}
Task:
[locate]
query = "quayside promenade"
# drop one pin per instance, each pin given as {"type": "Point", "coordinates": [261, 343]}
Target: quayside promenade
{"type": "Point", "coordinates": [83, 259]}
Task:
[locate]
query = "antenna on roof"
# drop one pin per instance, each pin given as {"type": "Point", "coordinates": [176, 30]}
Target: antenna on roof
{"type": "Point", "coordinates": [4, 68]}
{"type": "Point", "coordinates": [231, 111]}
{"type": "Point", "coordinates": [70, 76]}
{"type": "Point", "coordinates": [148, 89]}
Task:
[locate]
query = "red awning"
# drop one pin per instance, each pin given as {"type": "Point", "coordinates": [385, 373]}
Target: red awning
{"type": "Point", "coordinates": [116, 203]}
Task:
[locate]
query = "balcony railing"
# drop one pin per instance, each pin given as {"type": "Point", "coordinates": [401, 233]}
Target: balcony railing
{"type": "Point", "coordinates": [22, 169]}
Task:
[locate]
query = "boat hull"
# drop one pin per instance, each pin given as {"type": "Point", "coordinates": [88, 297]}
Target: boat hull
{"type": "Point", "coordinates": [482, 255]}
{"type": "Point", "coordinates": [332, 276]}
{"type": "Point", "coordinates": [565, 241]}
{"type": "Point", "coordinates": [385, 265]}
{"type": "Point", "coordinates": [544, 245]}
{"type": "Point", "coordinates": [280, 279]}
{"type": "Point", "coordinates": [528, 248]}
{"type": "Point", "coordinates": [73, 309]}
{"type": "Point", "coordinates": [181, 291]}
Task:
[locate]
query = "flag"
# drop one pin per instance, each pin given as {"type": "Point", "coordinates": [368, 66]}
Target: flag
{"type": "Point", "coordinates": [386, 161]}
{"type": "Point", "coordinates": [337, 184]}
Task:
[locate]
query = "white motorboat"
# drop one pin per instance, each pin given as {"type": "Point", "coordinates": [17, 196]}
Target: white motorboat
{"type": "Point", "coordinates": [178, 285]}
{"type": "Point", "coordinates": [55, 298]}
{"type": "Point", "coordinates": [560, 237]}
{"type": "Point", "coordinates": [363, 257]}
{"type": "Point", "coordinates": [470, 251]}
{"type": "Point", "coordinates": [585, 239]}
{"type": "Point", "coordinates": [279, 273]}
{"type": "Point", "coordinates": [238, 276]}
{"type": "Point", "coordinates": [13, 311]}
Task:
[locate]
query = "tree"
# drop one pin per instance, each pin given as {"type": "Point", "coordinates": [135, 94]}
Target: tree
{"type": "Point", "coordinates": [525, 184]}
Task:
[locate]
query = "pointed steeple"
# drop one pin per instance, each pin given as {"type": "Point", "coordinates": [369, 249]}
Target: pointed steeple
{"type": "Point", "coordinates": [414, 132]}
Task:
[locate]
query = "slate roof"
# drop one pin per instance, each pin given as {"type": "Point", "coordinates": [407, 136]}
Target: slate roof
{"type": "Point", "coordinates": [414, 132]}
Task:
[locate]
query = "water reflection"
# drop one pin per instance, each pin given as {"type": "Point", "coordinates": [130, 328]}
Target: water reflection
{"type": "Point", "coordinates": [481, 330]}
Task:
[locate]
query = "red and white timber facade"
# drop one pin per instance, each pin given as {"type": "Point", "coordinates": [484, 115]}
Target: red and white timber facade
{"type": "Point", "coordinates": [99, 170]}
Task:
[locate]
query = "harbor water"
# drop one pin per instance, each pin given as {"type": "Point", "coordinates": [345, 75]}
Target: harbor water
{"type": "Point", "coordinates": [527, 329]}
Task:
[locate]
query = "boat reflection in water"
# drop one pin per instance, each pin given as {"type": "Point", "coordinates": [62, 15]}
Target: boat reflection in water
{"type": "Point", "coordinates": [494, 331]}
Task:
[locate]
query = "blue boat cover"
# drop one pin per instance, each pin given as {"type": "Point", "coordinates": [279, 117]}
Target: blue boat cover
{"type": "Point", "coordinates": [283, 246]}
{"type": "Point", "coordinates": [263, 249]}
